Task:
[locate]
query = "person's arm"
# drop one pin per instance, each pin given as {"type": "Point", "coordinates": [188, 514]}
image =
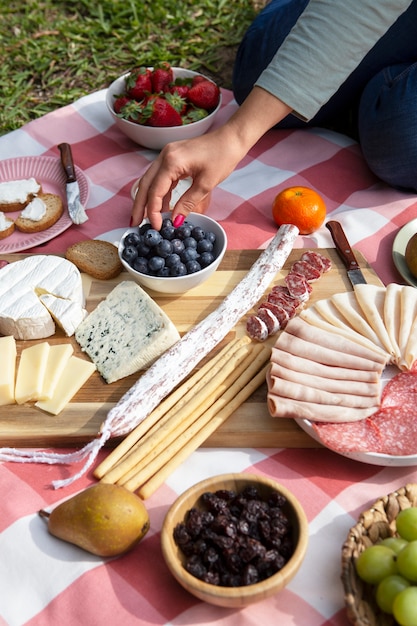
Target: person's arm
{"type": "Point", "coordinates": [329, 40]}
{"type": "Point", "coordinates": [208, 159]}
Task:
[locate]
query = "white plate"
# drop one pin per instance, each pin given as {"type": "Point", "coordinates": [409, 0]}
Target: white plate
{"type": "Point", "coordinates": [398, 251]}
{"type": "Point", "coordinates": [49, 173]}
{"type": "Point", "coordinates": [372, 458]}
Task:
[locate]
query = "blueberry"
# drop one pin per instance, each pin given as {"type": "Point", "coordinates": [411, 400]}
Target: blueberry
{"type": "Point", "coordinates": [167, 221]}
{"type": "Point", "coordinates": [190, 242]}
{"type": "Point", "coordinates": [143, 249]}
{"type": "Point", "coordinates": [210, 236]}
{"type": "Point", "coordinates": [131, 239]}
{"type": "Point", "coordinates": [192, 267]}
{"type": "Point", "coordinates": [144, 228]}
{"type": "Point", "coordinates": [184, 231]}
{"type": "Point", "coordinates": [164, 248]}
{"type": "Point", "coordinates": [206, 258]}
{"type": "Point", "coordinates": [129, 254]}
{"type": "Point", "coordinates": [164, 272]}
{"type": "Point", "coordinates": [172, 260]}
{"type": "Point", "coordinates": [152, 237]}
{"type": "Point", "coordinates": [198, 233]}
{"type": "Point", "coordinates": [168, 232]}
{"type": "Point", "coordinates": [156, 263]}
{"type": "Point", "coordinates": [204, 246]}
{"type": "Point", "coordinates": [178, 270]}
{"type": "Point", "coordinates": [141, 265]}
{"type": "Point", "coordinates": [189, 254]}
{"type": "Point", "coordinates": [177, 246]}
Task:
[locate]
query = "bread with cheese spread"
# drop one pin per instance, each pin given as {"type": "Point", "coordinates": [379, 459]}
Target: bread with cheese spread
{"type": "Point", "coordinates": [54, 209]}
{"type": "Point", "coordinates": [6, 226]}
{"type": "Point", "coordinates": [16, 194]}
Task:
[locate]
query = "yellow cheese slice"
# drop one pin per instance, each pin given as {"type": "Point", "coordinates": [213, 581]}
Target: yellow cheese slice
{"type": "Point", "coordinates": [7, 370]}
{"type": "Point", "coordinates": [57, 359]}
{"type": "Point", "coordinates": [31, 372]}
{"type": "Point", "coordinates": [75, 373]}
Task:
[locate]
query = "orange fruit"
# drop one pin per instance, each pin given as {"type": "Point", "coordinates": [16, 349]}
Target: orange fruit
{"type": "Point", "coordinates": [301, 206]}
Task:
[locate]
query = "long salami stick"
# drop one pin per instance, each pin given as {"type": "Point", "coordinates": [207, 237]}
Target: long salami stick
{"type": "Point", "coordinates": [177, 362]}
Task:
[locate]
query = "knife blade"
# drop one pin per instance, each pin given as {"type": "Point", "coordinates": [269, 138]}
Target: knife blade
{"type": "Point", "coordinates": [75, 208]}
{"type": "Point", "coordinates": [345, 252]}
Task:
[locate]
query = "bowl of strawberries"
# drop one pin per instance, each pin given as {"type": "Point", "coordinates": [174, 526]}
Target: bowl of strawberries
{"type": "Point", "coordinates": [156, 105]}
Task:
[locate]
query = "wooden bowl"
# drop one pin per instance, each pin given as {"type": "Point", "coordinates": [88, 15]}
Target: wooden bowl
{"type": "Point", "coordinates": [233, 597]}
{"type": "Point", "coordinates": [373, 525]}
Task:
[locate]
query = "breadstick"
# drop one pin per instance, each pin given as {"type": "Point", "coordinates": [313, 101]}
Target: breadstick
{"type": "Point", "coordinates": [209, 388]}
{"type": "Point", "coordinates": [168, 436]}
{"type": "Point", "coordinates": [218, 412]}
{"type": "Point", "coordinates": [191, 445]}
{"type": "Point", "coordinates": [124, 447]}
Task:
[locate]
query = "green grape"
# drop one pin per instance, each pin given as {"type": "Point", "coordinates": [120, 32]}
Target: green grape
{"type": "Point", "coordinates": [405, 607]}
{"type": "Point", "coordinates": [407, 523]}
{"type": "Point", "coordinates": [387, 591]}
{"type": "Point", "coordinates": [407, 562]}
{"type": "Point", "coordinates": [395, 543]}
{"type": "Point", "coordinates": [375, 563]}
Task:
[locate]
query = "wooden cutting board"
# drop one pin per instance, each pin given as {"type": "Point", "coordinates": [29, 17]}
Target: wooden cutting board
{"type": "Point", "coordinates": [250, 425]}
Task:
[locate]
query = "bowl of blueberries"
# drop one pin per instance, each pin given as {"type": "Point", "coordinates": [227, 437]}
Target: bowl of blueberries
{"type": "Point", "coordinates": [173, 260]}
{"type": "Point", "coordinates": [235, 539]}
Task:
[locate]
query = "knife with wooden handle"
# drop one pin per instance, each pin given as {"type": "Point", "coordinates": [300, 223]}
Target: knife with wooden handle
{"type": "Point", "coordinates": [354, 272]}
{"type": "Point", "coordinates": [75, 208]}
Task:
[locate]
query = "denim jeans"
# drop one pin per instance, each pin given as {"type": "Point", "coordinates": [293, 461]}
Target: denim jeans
{"type": "Point", "coordinates": [377, 104]}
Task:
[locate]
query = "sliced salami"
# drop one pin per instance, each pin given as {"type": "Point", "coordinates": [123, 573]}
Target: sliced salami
{"type": "Point", "coordinates": [304, 268]}
{"type": "Point", "coordinates": [317, 260]}
{"type": "Point", "coordinates": [298, 286]}
{"type": "Point", "coordinates": [279, 312]}
{"type": "Point", "coordinates": [290, 305]}
{"type": "Point", "coordinates": [256, 328]}
{"type": "Point", "coordinates": [270, 319]}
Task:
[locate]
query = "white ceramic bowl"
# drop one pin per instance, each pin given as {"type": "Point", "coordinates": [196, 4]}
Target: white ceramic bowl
{"type": "Point", "coordinates": [234, 597]}
{"type": "Point", "coordinates": [153, 137]}
{"type": "Point", "coordinates": [181, 284]}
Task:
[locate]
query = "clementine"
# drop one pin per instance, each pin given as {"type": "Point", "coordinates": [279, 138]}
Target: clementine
{"type": "Point", "coordinates": [301, 206]}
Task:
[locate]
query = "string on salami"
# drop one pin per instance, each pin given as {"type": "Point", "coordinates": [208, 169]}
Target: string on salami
{"type": "Point", "coordinates": [176, 363]}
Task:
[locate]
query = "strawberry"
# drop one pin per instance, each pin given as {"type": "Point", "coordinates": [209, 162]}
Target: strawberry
{"type": "Point", "coordinates": [205, 95]}
{"type": "Point", "coordinates": [162, 76]}
{"type": "Point", "coordinates": [181, 86]}
{"type": "Point", "coordinates": [194, 115]}
{"type": "Point", "coordinates": [159, 112]}
{"type": "Point", "coordinates": [120, 102]}
{"type": "Point", "coordinates": [139, 83]}
{"type": "Point", "coordinates": [132, 111]}
{"type": "Point", "coordinates": [177, 101]}
{"type": "Point", "coordinates": [198, 79]}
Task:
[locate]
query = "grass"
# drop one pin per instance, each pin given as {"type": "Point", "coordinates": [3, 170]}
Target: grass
{"type": "Point", "coordinates": [55, 51]}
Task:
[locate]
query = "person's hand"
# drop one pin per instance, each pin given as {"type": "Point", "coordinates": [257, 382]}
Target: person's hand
{"type": "Point", "coordinates": [207, 160]}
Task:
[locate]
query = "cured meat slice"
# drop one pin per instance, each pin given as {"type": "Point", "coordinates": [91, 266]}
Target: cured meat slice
{"type": "Point", "coordinates": [371, 300]}
{"type": "Point", "coordinates": [348, 306]}
{"type": "Point", "coordinates": [304, 268]}
{"type": "Point", "coordinates": [401, 391]}
{"type": "Point", "coordinates": [332, 385]}
{"type": "Point", "coordinates": [298, 286]}
{"type": "Point", "coordinates": [305, 393]}
{"type": "Point", "coordinates": [360, 436]}
{"type": "Point", "coordinates": [313, 317]}
{"type": "Point", "coordinates": [411, 349]}
{"type": "Point", "coordinates": [301, 329]}
{"type": "Point", "coordinates": [406, 341]}
{"type": "Point", "coordinates": [286, 407]}
{"type": "Point", "coordinates": [304, 366]}
{"type": "Point", "coordinates": [317, 260]}
{"type": "Point", "coordinates": [289, 304]}
{"type": "Point", "coordinates": [392, 317]}
{"type": "Point", "coordinates": [256, 328]}
{"type": "Point", "coordinates": [280, 313]}
{"type": "Point", "coordinates": [269, 318]}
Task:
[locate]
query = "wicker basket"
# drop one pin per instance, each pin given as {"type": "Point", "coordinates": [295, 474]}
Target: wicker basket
{"type": "Point", "coordinates": [373, 525]}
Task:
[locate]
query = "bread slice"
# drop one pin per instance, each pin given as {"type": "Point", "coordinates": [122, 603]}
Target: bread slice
{"type": "Point", "coordinates": [6, 226]}
{"type": "Point", "coordinates": [16, 194]}
{"type": "Point", "coordinates": [54, 210]}
{"type": "Point", "coordinates": [99, 259]}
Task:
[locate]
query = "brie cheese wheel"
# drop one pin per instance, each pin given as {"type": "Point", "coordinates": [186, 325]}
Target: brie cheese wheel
{"type": "Point", "coordinates": [23, 285]}
{"type": "Point", "coordinates": [126, 332]}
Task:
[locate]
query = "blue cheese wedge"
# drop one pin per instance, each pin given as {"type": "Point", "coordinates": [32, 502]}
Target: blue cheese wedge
{"type": "Point", "coordinates": [126, 332]}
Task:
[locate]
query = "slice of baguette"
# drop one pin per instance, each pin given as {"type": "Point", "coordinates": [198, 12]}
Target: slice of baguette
{"type": "Point", "coordinates": [54, 210]}
{"type": "Point", "coordinates": [6, 227]}
{"type": "Point", "coordinates": [99, 259]}
{"type": "Point", "coordinates": [16, 194]}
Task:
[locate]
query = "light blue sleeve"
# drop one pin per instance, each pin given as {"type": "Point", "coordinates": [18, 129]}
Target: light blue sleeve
{"type": "Point", "coordinates": [327, 43]}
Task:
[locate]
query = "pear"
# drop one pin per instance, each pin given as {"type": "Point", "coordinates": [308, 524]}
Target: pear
{"type": "Point", "coordinates": [410, 255]}
{"type": "Point", "coordinates": [105, 519]}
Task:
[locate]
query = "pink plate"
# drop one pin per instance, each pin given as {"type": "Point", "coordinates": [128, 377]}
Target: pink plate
{"type": "Point", "coordinates": [49, 173]}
